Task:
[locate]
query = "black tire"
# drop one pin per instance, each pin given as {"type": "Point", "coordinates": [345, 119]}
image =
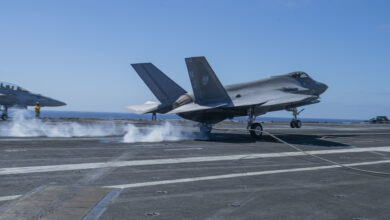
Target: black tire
{"type": "Point", "coordinates": [298, 124]}
{"type": "Point", "coordinates": [292, 124]}
{"type": "Point", "coordinates": [4, 117]}
{"type": "Point", "coordinates": [256, 130]}
{"type": "Point", "coordinates": [205, 129]}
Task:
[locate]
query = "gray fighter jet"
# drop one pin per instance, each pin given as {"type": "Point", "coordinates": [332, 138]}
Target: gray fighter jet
{"type": "Point", "coordinates": [211, 102]}
{"type": "Point", "coordinates": [12, 95]}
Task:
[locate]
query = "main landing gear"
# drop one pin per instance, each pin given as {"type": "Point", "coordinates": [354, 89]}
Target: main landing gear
{"type": "Point", "coordinates": [255, 128]}
{"type": "Point", "coordinates": [205, 129]}
{"type": "Point", "coordinates": [4, 114]}
{"type": "Point", "coordinates": [154, 116]}
{"type": "Point", "coordinates": [295, 123]}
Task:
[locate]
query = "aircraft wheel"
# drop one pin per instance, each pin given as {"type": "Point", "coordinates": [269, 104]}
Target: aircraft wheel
{"type": "Point", "coordinates": [295, 124]}
{"type": "Point", "coordinates": [205, 129]}
{"type": "Point", "coordinates": [256, 130]}
{"type": "Point", "coordinates": [298, 124]}
{"type": "Point", "coordinates": [4, 117]}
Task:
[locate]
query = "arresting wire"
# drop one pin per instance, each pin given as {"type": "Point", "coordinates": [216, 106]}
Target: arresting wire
{"type": "Point", "coordinates": [315, 156]}
{"type": "Point", "coordinates": [324, 159]}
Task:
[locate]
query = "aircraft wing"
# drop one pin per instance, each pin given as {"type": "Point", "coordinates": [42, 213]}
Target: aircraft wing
{"type": "Point", "coordinates": [289, 98]}
{"type": "Point", "coordinates": [267, 99]}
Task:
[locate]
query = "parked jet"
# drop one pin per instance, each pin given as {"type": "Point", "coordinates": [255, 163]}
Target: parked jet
{"type": "Point", "coordinates": [12, 95]}
{"type": "Point", "coordinates": [211, 102]}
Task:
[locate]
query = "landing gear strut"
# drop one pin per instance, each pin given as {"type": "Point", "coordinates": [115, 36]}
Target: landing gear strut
{"type": "Point", "coordinates": [255, 128]}
{"type": "Point", "coordinates": [295, 122]}
{"type": "Point", "coordinates": [154, 116]}
{"type": "Point", "coordinates": [4, 114]}
{"type": "Point", "coordinates": [205, 129]}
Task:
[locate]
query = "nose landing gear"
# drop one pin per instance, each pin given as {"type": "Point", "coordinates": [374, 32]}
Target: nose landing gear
{"type": "Point", "coordinates": [295, 122]}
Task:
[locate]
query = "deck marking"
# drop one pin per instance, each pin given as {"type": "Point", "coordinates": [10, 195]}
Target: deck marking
{"type": "Point", "coordinates": [179, 149]}
{"type": "Point", "coordinates": [235, 175]}
{"type": "Point", "coordinates": [225, 176]}
{"type": "Point", "coordinates": [101, 206]}
{"type": "Point", "coordinates": [7, 198]}
{"type": "Point", "coordinates": [83, 166]}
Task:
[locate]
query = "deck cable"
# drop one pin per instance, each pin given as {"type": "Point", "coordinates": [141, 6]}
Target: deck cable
{"type": "Point", "coordinates": [324, 159]}
{"type": "Point", "coordinates": [315, 156]}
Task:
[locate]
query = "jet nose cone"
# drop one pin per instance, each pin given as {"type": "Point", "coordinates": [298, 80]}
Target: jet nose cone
{"type": "Point", "coordinates": [59, 103]}
{"type": "Point", "coordinates": [322, 88]}
{"type": "Point", "coordinates": [53, 102]}
{"type": "Point", "coordinates": [46, 101]}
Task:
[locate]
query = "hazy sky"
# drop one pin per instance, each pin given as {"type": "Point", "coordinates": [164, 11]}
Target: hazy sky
{"type": "Point", "coordinates": [80, 51]}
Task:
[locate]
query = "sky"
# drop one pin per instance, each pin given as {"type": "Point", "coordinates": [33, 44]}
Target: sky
{"type": "Point", "coordinates": [80, 51]}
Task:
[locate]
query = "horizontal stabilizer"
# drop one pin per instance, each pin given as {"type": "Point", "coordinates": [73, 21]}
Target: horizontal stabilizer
{"type": "Point", "coordinates": [148, 107]}
{"type": "Point", "coordinates": [164, 88]}
{"type": "Point", "coordinates": [193, 107]}
{"type": "Point", "coordinates": [205, 84]}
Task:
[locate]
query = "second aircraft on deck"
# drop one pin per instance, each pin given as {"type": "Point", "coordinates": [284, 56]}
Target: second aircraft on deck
{"type": "Point", "coordinates": [211, 102]}
{"type": "Point", "coordinates": [12, 95]}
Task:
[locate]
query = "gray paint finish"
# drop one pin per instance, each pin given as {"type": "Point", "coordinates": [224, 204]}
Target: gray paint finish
{"type": "Point", "coordinates": [12, 95]}
{"type": "Point", "coordinates": [211, 102]}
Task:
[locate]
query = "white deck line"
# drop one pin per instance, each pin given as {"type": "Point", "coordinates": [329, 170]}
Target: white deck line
{"type": "Point", "coordinates": [83, 166]}
{"type": "Point", "coordinates": [6, 198]}
{"type": "Point", "coordinates": [235, 175]}
{"type": "Point", "coordinates": [225, 176]}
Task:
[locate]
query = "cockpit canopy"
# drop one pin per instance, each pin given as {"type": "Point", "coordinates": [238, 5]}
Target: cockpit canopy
{"type": "Point", "coordinates": [299, 75]}
{"type": "Point", "coordinates": [10, 86]}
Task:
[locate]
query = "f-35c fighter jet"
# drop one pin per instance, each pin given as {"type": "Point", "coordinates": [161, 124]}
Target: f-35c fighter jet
{"type": "Point", "coordinates": [12, 95]}
{"type": "Point", "coordinates": [211, 102]}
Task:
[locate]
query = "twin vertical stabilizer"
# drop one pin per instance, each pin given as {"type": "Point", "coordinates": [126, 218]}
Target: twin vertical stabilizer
{"type": "Point", "coordinates": [164, 88]}
{"type": "Point", "coordinates": [208, 90]}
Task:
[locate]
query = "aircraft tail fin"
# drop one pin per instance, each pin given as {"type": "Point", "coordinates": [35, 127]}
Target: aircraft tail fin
{"type": "Point", "coordinates": [164, 88]}
{"type": "Point", "coordinates": [207, 88]}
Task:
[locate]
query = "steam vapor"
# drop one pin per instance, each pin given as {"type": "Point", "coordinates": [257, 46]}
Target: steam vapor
{"type": "Point", "coordinates": [23, 124]}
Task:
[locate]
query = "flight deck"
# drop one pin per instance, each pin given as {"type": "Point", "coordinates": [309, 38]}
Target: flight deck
{"type": "Point", "coordinates": [227, 176]}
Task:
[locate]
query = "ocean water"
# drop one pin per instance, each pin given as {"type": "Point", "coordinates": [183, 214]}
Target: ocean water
{"type": "Point", "coordinates": [117, 115]}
